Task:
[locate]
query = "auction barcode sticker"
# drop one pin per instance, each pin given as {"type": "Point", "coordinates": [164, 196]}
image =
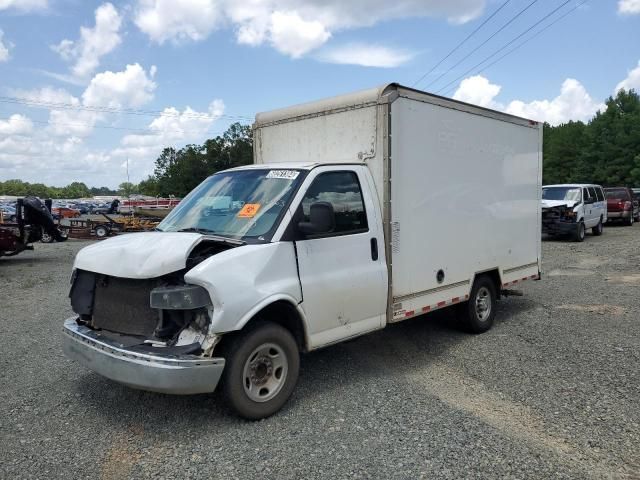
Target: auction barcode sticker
{"type": "Point", "coordinates": [286, 174]}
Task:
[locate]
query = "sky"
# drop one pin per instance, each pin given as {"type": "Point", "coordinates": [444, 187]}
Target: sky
{"type": "Point", "coordinates": [93, 91]}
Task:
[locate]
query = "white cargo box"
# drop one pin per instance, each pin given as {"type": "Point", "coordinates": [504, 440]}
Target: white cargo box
{"type": "Point", "coordinates": [459, 185]}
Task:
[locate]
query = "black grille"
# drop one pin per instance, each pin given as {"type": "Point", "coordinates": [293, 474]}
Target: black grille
{"type": "Point", "coordinates": [122, 305]}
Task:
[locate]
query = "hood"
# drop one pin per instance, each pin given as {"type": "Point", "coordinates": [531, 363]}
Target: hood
{"type": "Point", "coordinates": [558, 203]}
{"type": "Point", "coordinates": [138, 255]}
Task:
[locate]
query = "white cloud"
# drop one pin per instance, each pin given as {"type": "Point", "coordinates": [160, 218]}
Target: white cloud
{"type": "Point", "coordinates": [93, 43]}
{"type": "Point", "coordinates": [632, 80]}
{"type": "Point", "coordinates": [573, 103]}
{"type": "Point", "coordinates": [4, 49]}
{"type": "Point", "coordinates": [479, 91]}
{"type": "Point", "coordinates": [24, 5]}
{"type": "Point", "coordinates": [293, 27]}
{"type": "Point", "coordinates": [366, 55]}
{"type": "Point", "coordinates": [130, 88]}
{"type": "Point", "coordinates": [629, 7]}
{"type": "Point", "coordinates": [293, 36]}
{"type": "Point", "coordinates": [177, 20]}
{"type": "Point", "coordinates": [16, 125]}
{"type": "Point", "coordinates": [173, 126]}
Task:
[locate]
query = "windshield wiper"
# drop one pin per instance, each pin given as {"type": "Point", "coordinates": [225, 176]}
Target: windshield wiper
{"type": "Point", "coordinates": [204, 231]}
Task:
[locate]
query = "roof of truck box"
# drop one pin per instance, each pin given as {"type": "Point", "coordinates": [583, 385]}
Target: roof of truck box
{"type": "Point", "coordinates": [277, 166]}
{"type": "Point", "coordinates": [373, 96]}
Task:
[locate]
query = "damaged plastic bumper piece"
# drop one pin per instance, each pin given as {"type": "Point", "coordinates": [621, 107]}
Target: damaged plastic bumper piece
{"type": "Point", "coordinates": [175, 374]}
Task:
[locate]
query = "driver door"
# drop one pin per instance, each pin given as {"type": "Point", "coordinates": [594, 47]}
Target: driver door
{"type": "Point", "coordinates": [343, 273]}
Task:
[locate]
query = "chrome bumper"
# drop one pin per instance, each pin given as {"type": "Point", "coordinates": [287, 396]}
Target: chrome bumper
{"type": "Point", "coordinates": [181, 375]}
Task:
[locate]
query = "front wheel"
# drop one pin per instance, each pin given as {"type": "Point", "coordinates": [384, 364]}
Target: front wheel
{"type": "Point", "coordinates": [262, 367]}
{"type": "Point", "coordinates": [478, 314]}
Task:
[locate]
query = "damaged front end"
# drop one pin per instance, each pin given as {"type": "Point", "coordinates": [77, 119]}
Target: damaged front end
{"type": "Point", "coordinates": [558, 220]}
{"type": "Point", "coordinates": [152, 334]}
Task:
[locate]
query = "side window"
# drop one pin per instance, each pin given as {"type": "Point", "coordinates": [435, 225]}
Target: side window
{"type": "Point", "coordinates": [599, 194]}
{"type": "Point", "coordinates": [585, 195]}
{"type": "Point", "coordinates": [342, 190]}
{"type": "Point", "coordinates": [592, 194]}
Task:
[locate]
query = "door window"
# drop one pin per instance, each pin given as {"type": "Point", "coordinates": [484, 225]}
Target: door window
{"type": "Point", "coordinates": [342, 190]}
{"type": "Point", "coordinates": [585, 195]}
{"type": "Point", "coordinates": [592, 194]}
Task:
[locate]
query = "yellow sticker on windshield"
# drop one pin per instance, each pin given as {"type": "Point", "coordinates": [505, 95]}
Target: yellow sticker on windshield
{"type": "Point", "coordinates": [249, 210]}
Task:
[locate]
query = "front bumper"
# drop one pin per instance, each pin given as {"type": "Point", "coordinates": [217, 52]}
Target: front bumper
{"type": "Point", "coordinates": [181, 375]}
{"type": "Point", "coordinates": [559, 227]}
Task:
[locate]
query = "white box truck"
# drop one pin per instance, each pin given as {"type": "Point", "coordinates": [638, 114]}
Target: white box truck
{"type": "Point", "coordinates": [359, 211]}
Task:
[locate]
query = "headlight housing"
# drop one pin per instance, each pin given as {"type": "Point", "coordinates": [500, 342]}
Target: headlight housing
{"type": "Point", "coordinates": [179, 297]}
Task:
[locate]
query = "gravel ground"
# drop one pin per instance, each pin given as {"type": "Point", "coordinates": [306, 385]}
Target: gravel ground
{"type": "Point", "coordinates": [551, 391]}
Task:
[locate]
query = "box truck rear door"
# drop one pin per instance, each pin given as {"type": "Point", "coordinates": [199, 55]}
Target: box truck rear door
{"type": "Point", "coordinates": [343, 275]}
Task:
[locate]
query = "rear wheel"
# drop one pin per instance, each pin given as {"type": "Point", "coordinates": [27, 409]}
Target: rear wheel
{"type": "Point", "coordinates": [261, 371]}
{"type": "Point", "coordinates": [597, 230]}
{"type": "Point", "coordinates": [580, 233]}
{"type": "Point", "coordinates": [478, 314]}
{"type": "Point", "coordinates": [629, 221]}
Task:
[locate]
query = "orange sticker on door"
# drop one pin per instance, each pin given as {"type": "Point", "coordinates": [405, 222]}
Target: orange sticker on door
{"type": "Point", "coordinates": [249, 210]}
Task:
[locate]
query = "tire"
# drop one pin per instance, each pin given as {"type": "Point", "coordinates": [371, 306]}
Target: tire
{"type": "Point", "coordinates": [250, 383]}
{"type": "Point", "coordinates": [629, 222]}
{"type": "Point", "coordinates": [580, 233]}
{"type": "Point", "coordinates": [597, 230]}
{"type": "Point", "coordinates": [46, 238]}
{"type": "Point", "coordinates": [101, 231]}
{"type": "Point", "coordinates": [478, 314]}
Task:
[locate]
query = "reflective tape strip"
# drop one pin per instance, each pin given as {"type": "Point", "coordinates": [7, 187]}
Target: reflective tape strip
{"type": "Point", "coordinates": [531, 277]}
{"type": "Point", "coordinates": [429, 308]}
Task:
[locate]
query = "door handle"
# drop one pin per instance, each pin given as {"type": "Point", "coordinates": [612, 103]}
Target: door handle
{"type": "Point", "coordinates": [374, 249]}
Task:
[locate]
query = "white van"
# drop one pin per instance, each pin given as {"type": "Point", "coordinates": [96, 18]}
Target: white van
{"type": "Point", "coordinates": [571, 209]}
{"type": "Point", "coordinates": [360, 211]}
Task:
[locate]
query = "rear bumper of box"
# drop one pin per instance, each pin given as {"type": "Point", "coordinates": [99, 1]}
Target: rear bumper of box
{"type": "Point", "coordinates": [181, 375]}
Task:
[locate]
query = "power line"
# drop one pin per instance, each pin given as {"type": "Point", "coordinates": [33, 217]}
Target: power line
{"type": "Point", "coordinates": [98, 109]}
{"type": "Point", "coordinates": [483, 43]}
{"type": "Point", "coordinates": [486, 67]}
{"type": "Point", "coordinates": [504, 46]}
{"type": "Point", "coordinates": [460, 44]}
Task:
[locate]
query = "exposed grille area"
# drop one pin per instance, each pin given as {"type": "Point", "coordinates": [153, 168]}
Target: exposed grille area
{"type": "Point", "coordinates": [122, 305]}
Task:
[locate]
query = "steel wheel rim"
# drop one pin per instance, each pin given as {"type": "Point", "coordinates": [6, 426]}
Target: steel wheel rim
{"type": "Point", "coordinates": [483, 304]}
{"type": "Point", "coordinates": [265, 372]}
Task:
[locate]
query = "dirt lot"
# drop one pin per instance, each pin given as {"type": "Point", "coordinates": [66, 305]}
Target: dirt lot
{"type": "Point", "coordinates": [552, 391]}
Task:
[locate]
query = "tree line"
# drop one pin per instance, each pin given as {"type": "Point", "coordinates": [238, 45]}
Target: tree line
{"type": "Point", "coordinates": [604, 150]}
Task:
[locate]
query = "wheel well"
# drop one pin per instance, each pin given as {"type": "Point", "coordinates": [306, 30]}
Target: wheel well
{"type": "Point", "coordinates": [494, 275]}
{"type": "Point", "coordinates": [283, 313]}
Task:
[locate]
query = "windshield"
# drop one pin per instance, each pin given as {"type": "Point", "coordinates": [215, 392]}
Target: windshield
{"type": "Point", "coordinates": [239, 204]}
{"type": "Point", "coordinates": [561, 193]}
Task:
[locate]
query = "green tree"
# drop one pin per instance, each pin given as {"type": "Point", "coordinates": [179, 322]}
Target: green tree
{"type": "Point", "coordinates": [127, 188]}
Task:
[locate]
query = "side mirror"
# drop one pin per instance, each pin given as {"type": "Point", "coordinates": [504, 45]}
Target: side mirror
{"type": "Point", "coordinates": [589, 200]}
{"type": "Point", "coordinates": [321, 219]}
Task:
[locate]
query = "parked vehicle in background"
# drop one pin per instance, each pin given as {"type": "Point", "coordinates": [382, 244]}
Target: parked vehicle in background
{"type": "Point", "coordinates": [65, 212]}
{"type": "Point", "coordinates": [99, 208]}
{"type": "Point", "coordinates": [82, 207]}
{"type": "Point", "coordinates": [295, 253]}
{"type": "Point", "coordinates": [622, 206]}
{"type": "Point", "coordinates": [571, 209]}
{"type": "Point", "coordinates": [8, 213]}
